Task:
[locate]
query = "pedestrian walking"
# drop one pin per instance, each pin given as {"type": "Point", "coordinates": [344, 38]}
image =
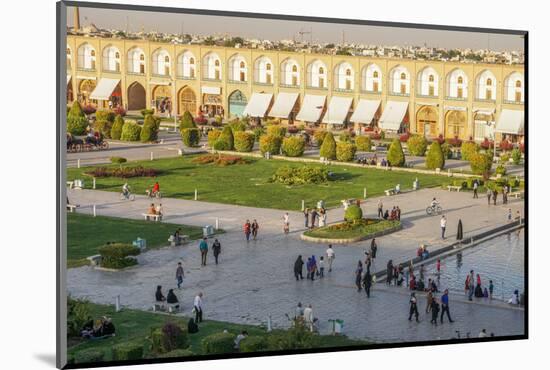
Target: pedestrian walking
{"type": "Point", "coordinates": [438, 267]}
{"type": "Point", "coordinates": [435, 311]}
{"type": "Point", "coordinates": [286, 223]}
{"type": "Point", "coordinates": [322, 217]}
{"type": "Point", "coordinates": [495, 195]}
{"type": "Point", "coordinates": [475, 186]}
{"type": "Point", "coordinates": [380, 209]}
{"type": "Point", "coordinates": [313, 268]}
{"type": "Point", "coordinates": [429, 301]}
{"type": "Point", "coordinates": [330, 257]}
{"type": "Point", "coordinates": [298, 268]}
{"type": "Point", "coordinates": [197, 307]}
{"type": "Point", "coordinates": [321, 267]}
{"type": "Point", "coordinates": [306, 218]}
{"type": "Point", "coordinates": [216, 249]}
{"type": "Point", "coordinates": [491, 289]}
{"type": "Point", "coordinates": [308, 317]}
{"type": "Point", "coordinates": [445, 305]}
{"type": "Point", "coordinates": [505, 194]}
{"type": "Point", "coordinates": [413, 309]}
{"type": "Point", "coordinates": [255, 228]}
{"type": "Point", "coordinates": [358, 275]}
{"type": "Point", "coordinates": [489, 195]}
{"type": "Point", "coordinates": [179, 275]}
{"type": "Point", "coordinates": [247, 229]}
{"type": "Point", "coordinates": [314, 215]}
{"type": "Point", "coordinates": [443, 224]}
{"type": "Point", "coordinates": [367, 282]}
{"type": "Point", "coordinates": [509, 215]}
{"type": "Point", "coordinates": [203, 247]}
{"type": "Point", "coordinates": [389, 272]}
{"type": "Point", "coordinates": [373, 251]}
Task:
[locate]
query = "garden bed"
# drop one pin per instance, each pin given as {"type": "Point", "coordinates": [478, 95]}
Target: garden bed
{"type": "Point", "coordinates": [348, 232]}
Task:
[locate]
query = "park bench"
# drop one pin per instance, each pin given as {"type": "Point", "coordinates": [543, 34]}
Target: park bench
{"type": "Point", "coordinates": [174, 307]}
{"type": "Point", "coordinates": [453, 187]}
{"type": "Point", "coordinates": [516, 194]}
{"type": "Point", "coordinates": [159, 306]}
{"type": "Point", "coordinates": [72, 207]}
{"type": "Point", "coordinates": [95, 260]}
{"type": "Point", "coordinates": [389, 192]}
{"type": "Point", "coordinates": [70, 184]}
{"type": "Point", "coordinates": [182, 240]}
{"type": "Point", "coordinates": [149, 216]}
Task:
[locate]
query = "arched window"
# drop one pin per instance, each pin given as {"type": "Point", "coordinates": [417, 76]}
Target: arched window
{"type": "Point", "coordinates": [268, 66]}
{"type": "Point", "coordinates": [489, 82]}
{"type": "Point", "coordinates": [321, 70]}
{"type": "Point", "coordinates": [518, 83]}
{"type": "Point", "coordinates": [431, 78]}
{"type": "Point", "coordinates": [294, 68]}
{"type": "Point", "coordinates": [191, 60]}
{"type": "Point", "coordinates": [348, 72]}
{"type": "Point", "coordinates": [375, 74]}
{"type": "Point", "coordinates": [166, 59]}
{"type": "Point", "coordinates": [403, 76]}
{"type": "Point", "coordinates": [460, 80]}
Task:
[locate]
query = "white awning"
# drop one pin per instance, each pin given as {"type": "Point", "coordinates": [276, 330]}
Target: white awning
{"type": "Point", "coordinates": [365, 111]}
{"type": "Point", "coordinates": [511, 122]}
{"type": "Point", "coordinates": [338, 110]}
{"type": "Point", "coordinates": [154, 81]}
{"type": "Point", "coordinates": [258, 105]}
{"type": "Point", "coordinates": [393, 115]}
{"type": "Point", "coordinates": [284, 102]}
{"type": "Point", "coordinates": [211, 90]}
{"type": "Point", "coordinates": [104, 89]}
{"type": "Point", "coordinates": [312, 107]}
{"type": "Point", "coordinates": [68, 79]}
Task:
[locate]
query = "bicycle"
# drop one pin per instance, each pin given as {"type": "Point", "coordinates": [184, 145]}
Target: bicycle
{"type": "Point", "coordinates": [128, 196]}
{"type": "Point", "coordinates": [433, 210]}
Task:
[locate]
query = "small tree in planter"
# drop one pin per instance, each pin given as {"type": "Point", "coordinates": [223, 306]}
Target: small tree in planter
{"type": "Point", "coordinates": [417, 145]}
{"type": "Point", "coordinates": [345, 152]}
{"type": "Point", "coordinates": [395, 156]}
{"type": "Point", "coordinates": [364, 143]}
{"type": "Point", "coordinates": [435, 158]}
{"type": "Point", "coordinates": [354, 213]}
{"type": "Point", "coordinates": [293, 146]}
{"type": "Point", "coordinates": [226, 141]}
{"type": "Point", "coordinates": [116, 130]}
{"type": "Point", "coordinates": [481, 164]}
{"type": "Point", "coordinates": [187, 121]}
{"type": "Point", "coordinates": [328, 149]}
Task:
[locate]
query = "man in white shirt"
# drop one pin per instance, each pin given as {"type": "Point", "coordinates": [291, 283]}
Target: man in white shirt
{"type": "Point", "coordinates": [443, 224]}
{"type": "Point", "coordinates": [308, 317]}
{"type": "Point", "coordinates": [197, 305]}
{"type": "Point", "coordinates": [330, 257]}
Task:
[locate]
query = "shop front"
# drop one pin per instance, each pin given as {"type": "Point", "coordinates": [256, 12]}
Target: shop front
{"type": "Point", "coordinates": [212, 101]}
{"type": "Point", "coordinates": [426, 121]}
{"type": "Point", "coordinates": [456, 123]}
{"type": "Point", "coordinates": [237, 104]}
{"type": "Point", "coordinates": [107, 93]}
{"type": "Point", "coordinates": [162, 99]}
{"type": "Point", "coordinates": [85, 89]}
{"type": "Point", "coordinates": [484, 124]}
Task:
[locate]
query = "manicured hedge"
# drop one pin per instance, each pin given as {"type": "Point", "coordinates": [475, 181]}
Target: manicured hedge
{"type": "Point", "coordinates": [364, 143]}
{"type": "Point", "coordinates": [131, 131]}
{"type": "Point", "coordinates": [328, 148]}
{"type": "Point", "coordinates": [128, 351]}
{"type": "Point", "coordinates": [213, 135]}
{"type": "Point", "coordinates": [353, 213]}
{"type": "Point", "coordinates": [435, 158]}
{"type": "Point", "coordinates": [116, 129]}
{"type": "Point", "coordinates": [90, 355]}
{"type": "Point", "coordinates": [177, 353]}
{"type": "Point", "coordinates": [481, 163]}
{"type": "Point", "coordinates": [190, 137]}
{"type": "Point", "coordinates": [149, 131]}
{"type": "Point", "coordinates": [276, 130]}
{"type": "Point", "coordinates": [467, 149]}
{"type": "Point", "coordinates": [118, 255]}
{"type": "Point", "coordinates": [118, 160]}
{"type": "Point", "coordinates": [187, 121]}
{"type": "Point", "coordinates": [218, 343]}
{"type": "Point", "coordinates": [169, 338]}
{"type": "Point", "coordinates": [226, 141]}
{"type": "Point", "coordinates": [271, 144]}
{"type": "Point", "coordinates": [345, 151]}
{"type": "Point", "coordinates": [293, 146]}
{"type": "Point", "coordinates": [244, 141]}
{"type": "Point", "coordinates": [105, 115]}
{"type": "Point", "coordinates": [104, 127]}
{"type": "Point", "coordinates": [237, 126]}
{"type": "Point", "coordinates": [395, 156]}
{"type": "Point", "coordinates": [417, 145]}
{"type": "Point", "coordinates": [253, 343]}
{"type": "Point", "coordinates": [76, 120]}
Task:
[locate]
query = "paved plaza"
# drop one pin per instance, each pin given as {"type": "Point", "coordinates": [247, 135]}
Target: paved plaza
{"type": "Point", "coordinates": [254, 280]}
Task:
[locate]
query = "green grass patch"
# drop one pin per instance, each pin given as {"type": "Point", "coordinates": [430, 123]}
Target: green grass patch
{"type": "Point", "coordinates": [249, 185]}
{"type": "Point", "coordinates": [85, 234]}
{"type": "Point", "coordinates": [134, 326]}
{"type": "Point", "coordinates": [349, 230]}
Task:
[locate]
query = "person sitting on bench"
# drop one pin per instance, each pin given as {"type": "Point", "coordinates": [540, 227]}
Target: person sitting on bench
{"type": "Point", "coordinates": [172, 298]}
{"type": "Point", "coordinates": [159, 297]}
{"type": "Point", "coordinates": [152, 210]}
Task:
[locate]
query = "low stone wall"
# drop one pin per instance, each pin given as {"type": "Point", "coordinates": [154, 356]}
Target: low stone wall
{"type": "Point", "coordinates": [351, 240]}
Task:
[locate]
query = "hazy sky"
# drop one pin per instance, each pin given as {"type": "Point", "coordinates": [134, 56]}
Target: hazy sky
{"type": "Point", "coordinates": [282, 29]}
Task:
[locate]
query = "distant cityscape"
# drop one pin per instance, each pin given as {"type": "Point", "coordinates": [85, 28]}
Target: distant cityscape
{"type": "Point", "coordinates": [304, 44]}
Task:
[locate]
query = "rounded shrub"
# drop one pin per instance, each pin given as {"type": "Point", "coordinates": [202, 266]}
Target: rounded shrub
{"type": "Point", "coordinates": [364, 143]}
{"type": "Point", "coordinates": [187, 121]}
{"type": "Point", "coordinates": [190, 137]}
{"type": "Point", "coordinates": [328, 148]}
{"type": "Point", "coordinates": [293, 146]}
{"type": "Point", "coordinates": [168, 338]}
{"type": "Point", "coordinates": [344, 137]}
{"type": "Point", "coordinates": [435, 158]}
{"type": "Point", "coordinates": [467, 149]}
{"type": "Point", "coordinates": [149, 131]}
{"type": "Point", "coordinates": [104, 127]}
{"type": "Point", "coordinates": [395, 156]}
{"type": "Point", "coordinates": [176, 353]}
{"type": "Point", "coordinates": [481, 164]}
{"type": "Point", "coordinates": [118, 255]}
{"type": "Point", "coordinates": [353, 213]}
{"type": "Point", "coordinates": [213, 135]}
{"type": "Point", "coordinates": [76, 120]}
{"type": "Point", "coordinates": [88, 356]}
{"type": "Point", "coordinates": [127, 351]}
{"type": "Point", "coordinates": [319, 136]}
{"type": "Point", "coordinates": [516, 156]}
{"type": "Point", "coordinates": [218, 343]}
{"type": "Point", "coordinates": [253, 343]}
{"type": "Point", "coordinates": [417, 145]}
{"type": "Point", "coordinates": [276, 130]}
{"type": "Point", "coordinates": [500, 170]}
{"type": "Point", "coordinates": [116, 129]}
{"type": "Point", "coordinates": [118, 160]}
{"type": "Point", "coordinates": [226, 141]}
{"type": "Point", "coordinates": [271, 144]}
{"type": "Point", "coordinates": [145, 112]}
{"type": "Point", "coordinates": [244, 141]}
{"type": "Point", "coordinates": [345, 151]}
{"type": "Point", "coordinates": [238, 125]}
{"type": "Point", "coordinates": [105, 115]}
{"type": "Point", "coordinates": [131, 131]}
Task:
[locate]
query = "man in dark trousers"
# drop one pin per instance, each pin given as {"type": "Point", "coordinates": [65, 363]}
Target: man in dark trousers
{"type": "Point", "coordinates": [298, 267]}
{"type": "Point", "coordinates": [445, 305]}
{"type": "Point", "coordinates": [435, 311]}
{"type": "Point", "coordinates": [216, 249]}
{"type": "Point", "coordinates": [367, 282]}
{"type": "Point", "coordinates": [413, 309]}
{"type": "Point", "coordinates": [389, 272]}
{"type": "Point", "coordinates": [495, 194]}
{"type": "Point", "coordinates": [476, 185]}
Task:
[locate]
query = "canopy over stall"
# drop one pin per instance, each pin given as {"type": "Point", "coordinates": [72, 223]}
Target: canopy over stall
{"type": "Point", "coordinates": [393, 115]}
{"type": "Point", "coordinates": [511, 122]}
{"type": "Point", "coordinates": [365, 111]}
{"type": "Point", "coordinates": [338, 110]}
{"type": "Point", "coordinates": [258, 105]}
{"type": "Point", "coordinates": [104, 89]}
{"type": "Point", "coordinates": [312, 107]}
{"type": "Point", "coordinates": [284, 103]}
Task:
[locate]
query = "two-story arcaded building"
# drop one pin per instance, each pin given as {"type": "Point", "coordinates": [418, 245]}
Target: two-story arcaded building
{"type": "Point", "coordinates": [427, 97]}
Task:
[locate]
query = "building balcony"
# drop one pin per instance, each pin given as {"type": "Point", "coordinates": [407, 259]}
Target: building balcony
{"type": "Point", "coordinates": [492, 101]}
{"type": "Point", "coordinates": [343, 90]}
{"type": "Point", "coordinates": [212, 79]}
{"type": "Point", "coordinates": [371, 92]}
{"type": "Point", "coordinates": [132, 73]}
{"type": "Point", "coordinates": [262, 83]}
{"type": "Point", "coordinates": [317, 88]}
{"type": "Point", "coordinates": [515, 102]}
{"type": "Point", "coordinates": [238, 82]}
{"type": "Point", "coordinates": [288, 85]}
{"type": "Point", "coordinates": [455, 98]}
{"type": "Point", "coordinates": [158, 75]}
{"type": "Point", "coordinates": [84, 69]}
{"type": "Point", "coordinates": [186, 78]}
{"type": "Point", "coordinates": [427, 96]}
{"type": "Point", "coordinates": [110, 71]}
{"type": "Point", "coordinates": [392, 93]}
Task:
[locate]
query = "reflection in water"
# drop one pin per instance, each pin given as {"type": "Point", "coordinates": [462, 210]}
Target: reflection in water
{"type": "Point", "coordinates": [501, 260]}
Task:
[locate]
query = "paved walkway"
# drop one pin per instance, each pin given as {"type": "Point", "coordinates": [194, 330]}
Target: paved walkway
{"type": "Point", "coordinates": [255, 279]}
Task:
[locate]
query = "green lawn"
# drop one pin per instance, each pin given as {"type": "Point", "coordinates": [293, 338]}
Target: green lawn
{"type": "Point", "coordinates": [135, 326]}
{"type": "Point", "coordinates": [349, 231]}
{"type": "Point", "coordinates": [248, 184]}
{"type": "Point", "coordinates": [85, 234]}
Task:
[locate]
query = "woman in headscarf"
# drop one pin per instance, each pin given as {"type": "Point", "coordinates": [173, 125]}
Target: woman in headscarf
{"type": "Point", "coordinates": [313, 267]}
{"type": "Point", "coordinates": [358, 275]}
{"type": "Point", "coordinates": [298, 267]}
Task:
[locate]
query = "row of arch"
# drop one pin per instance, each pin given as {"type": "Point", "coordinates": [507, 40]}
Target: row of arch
{"type": "Point", "coordinates": [317, 74]}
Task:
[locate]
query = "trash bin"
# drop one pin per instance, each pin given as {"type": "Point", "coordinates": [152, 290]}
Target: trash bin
{"type": "Point", "coordinates": [338, 326]}
{"type": "Point", "coordinates": [207, 231]}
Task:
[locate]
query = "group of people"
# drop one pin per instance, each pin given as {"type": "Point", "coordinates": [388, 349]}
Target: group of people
{"type": "Point", "coordinates": [315, 217]}
{"type": "Point", "coordinates": [313, 267]}
{"type": "Point", "coordinates": [155, 210]}
{"type": "Point", "coordinates": [216, 250]}
{"type": "Point", "coordinates": [472, 287]}
{"type": "Point", "coordinates": [172, 298]}
{"type": "Point", "coordinates": [101, 328]}
{"type": "Point", "coordinates": [251, 229]}
{"type": "Point", "coordinates": [305, 315]}
{"type": "Point", "coordinates": [493, 194]}
{"type": "Point", "coordinates": [394, 214]}
{"type": "Point", "coordinates": [437, 307]}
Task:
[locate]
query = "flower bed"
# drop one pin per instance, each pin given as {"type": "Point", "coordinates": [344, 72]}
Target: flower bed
{"type": "Point", "coordinates": [123, 172]}
{"type": "Point", "coordinates": [220, 159]}
{"type": "Point", "coordinates": [348, 232]}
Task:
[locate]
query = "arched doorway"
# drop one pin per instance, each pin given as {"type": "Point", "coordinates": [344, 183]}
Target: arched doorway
{"type": "Point", "coordinates": [85, 89]}
{"type": "Point", "coordinates": [455, 124]}
{"type": "Point", "coordinates": [426, 121]}
{"type": "Point", "coordinates": [162, 96]}
{"type": "Point", "coordinates": [188, 101]}
{"type": "Point", "coordinates": [136, 97]}
{"type": "Point", "coordinates": [237, 103]}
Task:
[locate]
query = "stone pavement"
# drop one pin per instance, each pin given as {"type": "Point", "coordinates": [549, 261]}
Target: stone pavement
{"type": "Point", "coordinates": [255, 279]}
